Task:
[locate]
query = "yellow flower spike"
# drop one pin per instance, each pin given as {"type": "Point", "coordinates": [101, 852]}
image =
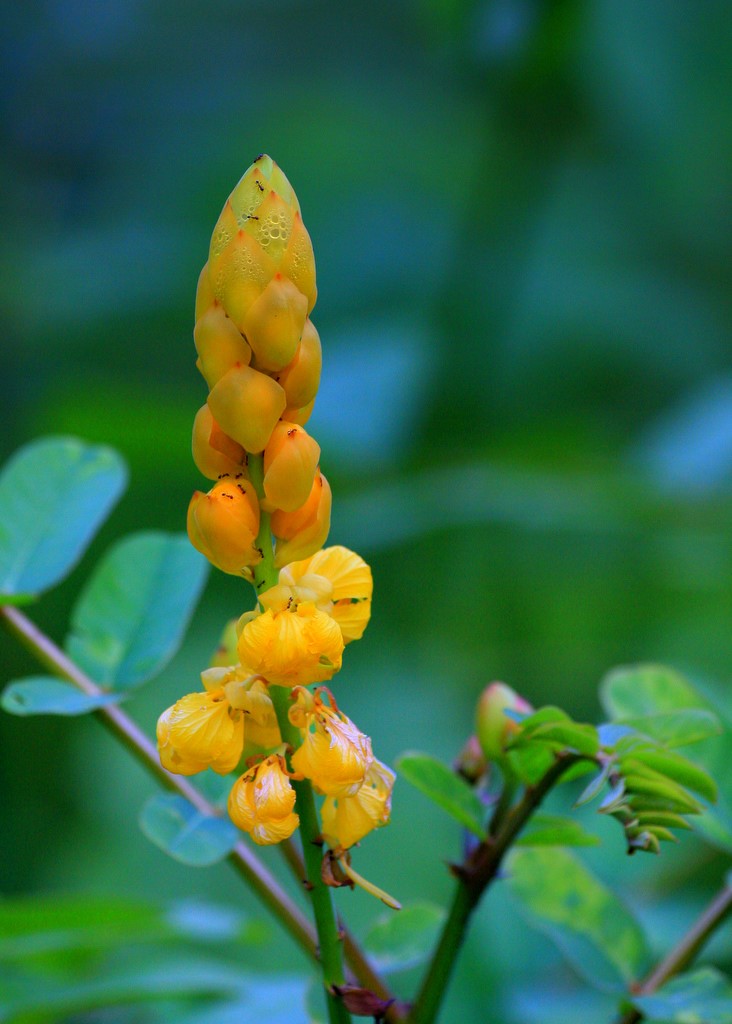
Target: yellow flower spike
{"type": "Point", "coordinates": [301, 377]}
{"type": "Point", "coordinates": [334, 755]}
{"type": "Point", "coordinates": [219, 344]}
{"type": "Point", "coordinates": [292, 647]}
{"type": "Point", "coordinates": [346, 820]}
{"type": "Point", "coordinates": [302, 532]}
{"type": "Point", "coordinates": [247, 404]}
{"type": "Point", "coordinates": [200, 731]}
{"type": "Point", "coordinates": [223, 525]}
{"type": "Point", "coordinates": [261, 802]}
{"type": "Point", "coordinates": [274, 323]}
{"type": "Point", "coordinates": [210, 460]}
{"type": "Point", "coordinates": [290, 461]}
{"type": "Point", "coordinates": [351, 582]}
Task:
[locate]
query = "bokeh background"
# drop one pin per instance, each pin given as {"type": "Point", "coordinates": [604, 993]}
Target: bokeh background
{"type": "Point", "coordinates": [521, 218]}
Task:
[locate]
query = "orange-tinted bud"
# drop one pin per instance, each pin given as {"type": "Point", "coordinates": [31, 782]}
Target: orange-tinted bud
{"type": "Point", "coordinates": [299, 416]}
{"type": "Point", "coordinates": [204, 292]}
{"type": "Point", "coordinates": [494, 728]}
{"type": "Point", "coordinates": [303, 532]}
{"type": "Point", "coordinates": [301, 377]}
{"type": "Point", "coordinates": [247, 404]}
{"type": "Point", "coordinates": [274, 323]}
{"type": "Point", "coordinates": [298, 262]}
{"type": "Point", "coordinates": [211, 461]}
{"type": "Point", "coordinates": [290, 461]}
{"type": "Point", "coordinates": [223, 525]}
{"type": "Point", "coordinates": [219, 345]}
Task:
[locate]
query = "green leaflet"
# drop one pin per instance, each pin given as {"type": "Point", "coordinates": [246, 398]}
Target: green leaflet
{"type": "Point", "coordinates": [54, 495]}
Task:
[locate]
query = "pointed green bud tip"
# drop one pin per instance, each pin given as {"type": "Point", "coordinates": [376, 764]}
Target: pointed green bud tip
{"type": "Point", "coordinates": [493, 727]}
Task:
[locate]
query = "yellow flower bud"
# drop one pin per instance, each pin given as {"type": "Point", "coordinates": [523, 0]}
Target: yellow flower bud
{"type": "Point", "coordinates": [299, 416]}
{"type": "Point", "coordinates": [301, 377]}
{"type": "Point", "coordinates": [298, 261]}
{"type": "Point", "coordinates": [294, 646]}
{"type": "Point", "coordinates": [261, 803]}
{"type": "Point", "coordinates": [204, 292]}
{"type": "Point", "coordinates": [334, 755]}
{"type": "Point", "coordinates": [274, 323]}
{"type": "Point", "coordinates": [223, 524]}
{"type": "Point", "coordinates": [219, 344]}
{"type": "Point", "coordinates": [211, 461]}
{"type": "Point", "coordinates": [348, 599]}
{"type": "Point", "coordinates": [199, 731]}
{"type": "Point", "coordinates": [347, 819]}
{"type": "Point", "coordinates": [247, 404]}
{"type": "Point", "coordinates": [494, 728]}
{"type": "Point", "coordinates": [290, 461]}
{"type": "Point", "coordinates": [304, 531]}
{"type": "Point", "coordinates": [258, 237]}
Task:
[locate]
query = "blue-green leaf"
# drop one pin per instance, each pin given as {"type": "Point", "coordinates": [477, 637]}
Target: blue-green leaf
{"type": "Point", "coordinates": [186, 834]}
{"type": "Point", "coordinates": [446, 789]}
{"type": "Point", "coordinates": [132, 614]}
{"type": "Point", "coordinates": [45, 695]}
{"type": "Point", "coordinates": [700, 997]}
{"type": "Point", "coordinates": [658, 702]}
{"type": "Point", "coordinates": [559, 896]}
{"type": "Point", "coordinates": [400, 941]}
{"type": "Point", "coordinates": [54, 495]}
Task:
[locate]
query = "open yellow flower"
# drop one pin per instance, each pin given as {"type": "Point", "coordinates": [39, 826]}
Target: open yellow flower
{"type": "Point", "coordinates": [200, 731]}
{"type": "Point", "coordinates": [248, 693]}
{"type": "Point", "coordinates": [347, 819]}
{"type": "Point", "coordinates": [261, 802]}
{"type": "Point", "coordinates": [292, 644]}
{"type": "Point", "coordinates": [334, 755]}
{"type": "Point", "coordinates": [336, 580]}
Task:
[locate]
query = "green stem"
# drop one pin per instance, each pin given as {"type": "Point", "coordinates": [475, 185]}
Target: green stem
{"type": "Point", "coordinates": [473, 878]}
{"type": "Point", "coordinates": [685, 951]}
{"type": "Point", "coordinates": [329, 939]}
{"type": "Point", "coordinates": [134, 739]}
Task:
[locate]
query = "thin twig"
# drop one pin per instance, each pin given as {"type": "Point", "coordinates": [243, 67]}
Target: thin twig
{"type": "Point", "coordinates": [685, 950]}
{"type": "Point", "coordinates": [264, 884]}
{"type": "Point", "coordinates": [473, 878]}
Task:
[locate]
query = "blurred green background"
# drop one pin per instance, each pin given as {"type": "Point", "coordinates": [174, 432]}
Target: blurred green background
{"type": "Point", "coordinates": [521, 217]}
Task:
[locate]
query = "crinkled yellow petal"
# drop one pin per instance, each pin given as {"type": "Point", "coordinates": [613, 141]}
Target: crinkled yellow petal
{"type": "Point", "coordinates": [346, 820]}
{"type": "Point", "coordinates": [334, 755]}
{"type": "Point", "coordinates": [261, 803]}
{"type": "Point", "coordinates": [292, 647]}
{"type": "Point", "coordinates": [200, 731]}
{"type": "Point", "coordinates": [351, 581]}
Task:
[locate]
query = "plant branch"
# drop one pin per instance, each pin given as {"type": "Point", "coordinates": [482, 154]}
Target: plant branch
{"type": "Point", "coordinates": [685, 951]}
{"type": "Point", "coordinates": [244, 862]}
{"type": "Point", "coordinates": [474, 876]}
{"type": "Point", "coordinates": [330, 944]}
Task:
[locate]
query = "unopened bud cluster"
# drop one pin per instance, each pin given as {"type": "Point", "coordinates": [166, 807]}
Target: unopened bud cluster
{"type": "Point", "coordinates": [260, 356]}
